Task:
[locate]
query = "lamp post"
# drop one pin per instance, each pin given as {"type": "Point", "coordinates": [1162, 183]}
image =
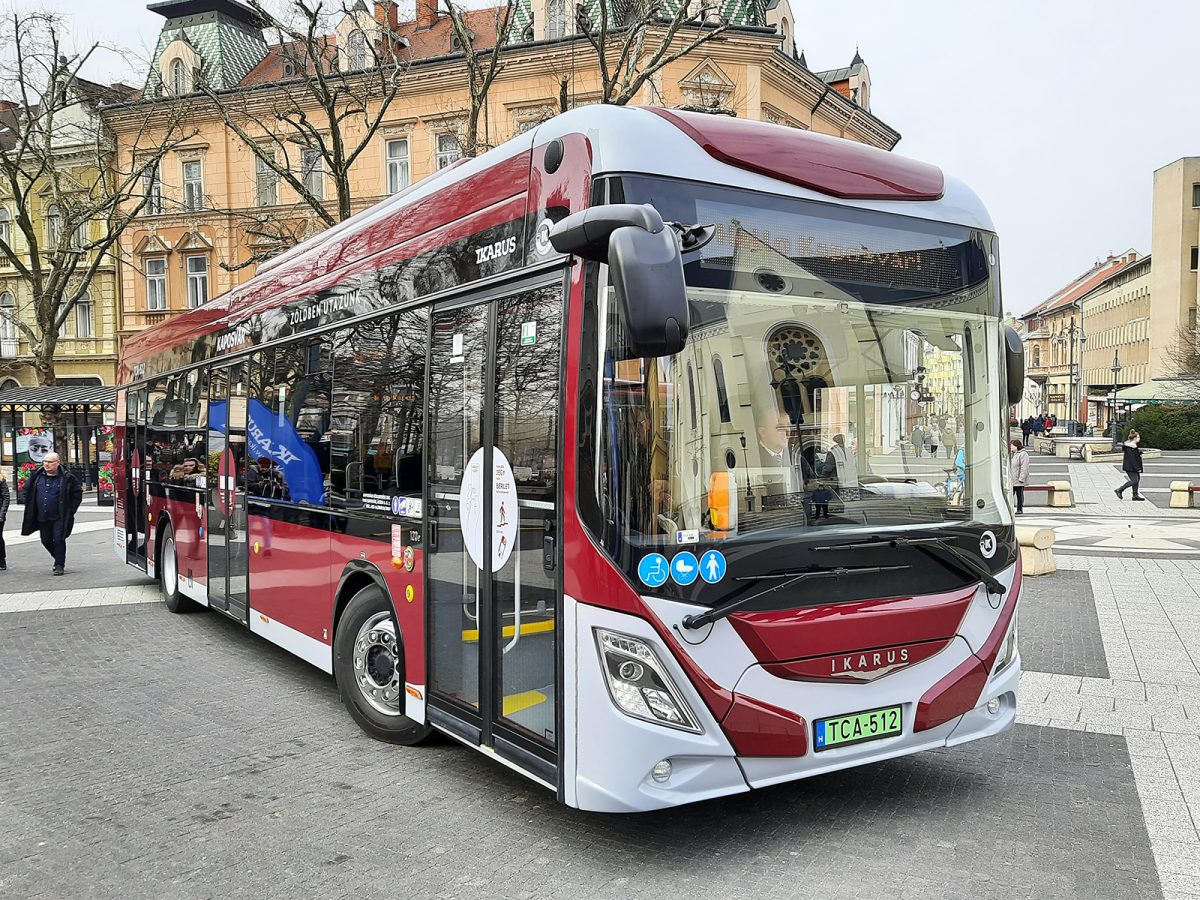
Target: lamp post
{"type": "Point", "coordinates": [1112, 415]}
{"type": "Point", "coordinates": [1067, 337]}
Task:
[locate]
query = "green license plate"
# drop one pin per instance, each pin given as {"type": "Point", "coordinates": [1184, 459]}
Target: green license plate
{"type": "Point", "coordinates": [855, 728]}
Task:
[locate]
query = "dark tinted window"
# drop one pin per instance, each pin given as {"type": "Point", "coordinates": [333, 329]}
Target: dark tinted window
{"type": "Point", "coordinates": [375, 429]}
{"type": "Point", "coordinates": [289, 424]}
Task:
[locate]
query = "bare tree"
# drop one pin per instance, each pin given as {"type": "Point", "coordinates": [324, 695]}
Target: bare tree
{"type": "Point", "coordinates": [1183, 355]}
{"type": "Point", "coordinates": [73, 196]}
{"type": "Point", "coordinates": [316, 122]}
{"type": "Point", "coordinates": [483, 65]}
{"type": "Point", "coordinates": [635, 39]}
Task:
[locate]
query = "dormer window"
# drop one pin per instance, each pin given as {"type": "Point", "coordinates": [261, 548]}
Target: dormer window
{"type": "Point", "coordinates": [179, 78]}
{"type": "Point", "coordinates": [456, 45]}
{"type": "Point", "coordinates": [356, 51]}
{"type": "Point", "coordinates": [289, 68]}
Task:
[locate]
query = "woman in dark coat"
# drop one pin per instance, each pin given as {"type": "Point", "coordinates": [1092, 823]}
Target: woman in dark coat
{"type": "Point", "coordinates": [1132, 465]}
{"type": "Point", "coordinates": [5, 498]}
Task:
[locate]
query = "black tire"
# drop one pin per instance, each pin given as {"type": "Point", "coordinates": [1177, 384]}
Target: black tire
{"type": "Point", "coordinates": [175, 601]}
{"type": "Point", "coordinates": [369, 612]}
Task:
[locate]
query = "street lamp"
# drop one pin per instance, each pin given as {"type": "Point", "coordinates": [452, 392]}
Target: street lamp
{"type": "Point", "coordinates": [1067, 337]}
{"type": "Point", "coordinates": [1112, 416]}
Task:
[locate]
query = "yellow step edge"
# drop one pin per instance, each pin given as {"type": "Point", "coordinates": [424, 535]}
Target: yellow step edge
{"type": "Point", "coordinates": [514, 703]}
{"type": "Point", "coordinates": [471, 635]}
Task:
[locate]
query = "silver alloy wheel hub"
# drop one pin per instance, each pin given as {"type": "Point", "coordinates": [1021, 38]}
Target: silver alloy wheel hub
{"type": "Point", "coordinates": [170, 572]}
{"type": "Point", "coordinates": [376, 669]}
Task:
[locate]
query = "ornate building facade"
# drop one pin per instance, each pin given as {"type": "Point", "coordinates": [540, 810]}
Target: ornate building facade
{"type": "Point", "coordinates": [211, 195]}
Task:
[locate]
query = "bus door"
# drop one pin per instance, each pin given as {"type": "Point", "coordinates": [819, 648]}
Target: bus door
{"type": "Point", "coordinates": [136, 476]}
{"type": "Point", "coordinates": [494, 589]}
{"type": "Point", "coordinates": [226, 488]}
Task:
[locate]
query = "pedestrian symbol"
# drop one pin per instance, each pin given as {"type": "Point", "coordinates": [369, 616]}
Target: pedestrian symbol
{"type": "Point", "coordinates": [653, 570]}
{"type": "Point", "coordinates": [684, 568]}
{"type": "Point", "coordinates": [712, 566]}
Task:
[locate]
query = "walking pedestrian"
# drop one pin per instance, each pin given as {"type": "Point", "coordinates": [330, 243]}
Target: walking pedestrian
{"type": "Point", "coordinates": [1019, 465]}
{"type": "Point", "coordinates": [1026, 428]}
{"type": "Point", "coordinates": [1132, 466]}
{"type": "Point", "coordinates": [918, 439]}
{"type": "Point", "coordinates": [934, 437]}
{"type": "Point", "coordinates": [4, 499]}
{"type": "Point", "coordinates": [52, 496]}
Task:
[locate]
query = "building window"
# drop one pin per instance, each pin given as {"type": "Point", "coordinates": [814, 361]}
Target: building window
{"type": "Point", "coordinates": [556, 19]}
{"type": "Point", "coordinates": [356, 51]}
{"type": "Point", "coordinates": [312, 173]}
{"type": "Point", "coordinates": [193, 186]}
{"type": "Point", "coordinates": [156, 283]}
{"type": "Point", "coordinates": [197, 280]}
{"type": "Point", "coordinates": [152, 191]}
{"type": "Point", "coordinates": [8, 316]}
{"type": "Point", "coordinates": [1195, 258]}
{"type": "Point", "coordinates": [53, 226]}
{"type": "Point", "coordinates": [5, 228]}
{"type": "Point", "coordinates": [289, 68]}
{"type": "Point", "coordinates": [83, 317]}
{"type": "Point", "coordinates": [266, 182]}
{"type": "Point", "coordinates": [1196, 196]}
{"type": "Point", "coordinates": [79, 237]}
{"type": "Point", "coordinates": [449, 150]}
{"type": "Point", "coordinates": [1037, 356]}
{"type": "Point", "coordinates": [397, 165]}
{"type": "Point", "coordinates": [179, 79]}
{"type": "Point", "coordinates": [722, 392]}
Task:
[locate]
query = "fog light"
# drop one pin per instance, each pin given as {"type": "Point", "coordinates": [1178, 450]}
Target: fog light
{"type": "Point", "coordinates": [661, 770]}
{"type": "Point", "coordinates": [993, 706]}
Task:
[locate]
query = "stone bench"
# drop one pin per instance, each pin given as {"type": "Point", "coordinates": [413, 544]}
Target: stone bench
{"type": "Point", "coordinates": [1183, 495]}
{"type": "Point", "coordinates": [1037, 554]}
{"type": "Point", "coordinates": [1058, 493]}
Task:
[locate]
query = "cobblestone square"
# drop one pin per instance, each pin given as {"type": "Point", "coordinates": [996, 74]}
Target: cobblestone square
{"type": "Point", "coordinates": [152, 755]}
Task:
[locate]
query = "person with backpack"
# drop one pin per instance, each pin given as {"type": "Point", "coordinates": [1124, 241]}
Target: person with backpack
{"type": "Point", "coordinates": [1132, 466]}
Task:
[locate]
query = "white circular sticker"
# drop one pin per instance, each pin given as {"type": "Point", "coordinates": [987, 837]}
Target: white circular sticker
{"type": "Point", "coordinates": [987, 545]}
{"type": "Point", "coordinates": [505, 515]}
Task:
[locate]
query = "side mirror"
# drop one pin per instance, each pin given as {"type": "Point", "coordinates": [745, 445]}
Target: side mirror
{"type": "Point", "coordinates": [1014, 364]}
{"type": "Point", "coordinates": [645, 263]}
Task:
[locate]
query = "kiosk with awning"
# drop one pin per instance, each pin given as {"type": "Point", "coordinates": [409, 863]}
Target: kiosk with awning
{"type": "Point", "coordinates": [79, 411]}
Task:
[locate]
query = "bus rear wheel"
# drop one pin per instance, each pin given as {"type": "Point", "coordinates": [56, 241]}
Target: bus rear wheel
{"type": "Point", "coordinates": [368, 663]}
{"type": "Point", "coordinates": [168, 575]}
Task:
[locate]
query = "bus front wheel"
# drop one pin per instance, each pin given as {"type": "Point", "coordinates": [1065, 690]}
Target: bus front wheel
{"type": "Point", "coordinates": [168, 575]}
{"type": "Point", "coordinates": [368, 663]}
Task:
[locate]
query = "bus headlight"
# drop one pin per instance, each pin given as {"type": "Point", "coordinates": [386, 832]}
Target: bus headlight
{"type": "Point", "coordinates": [1009, 651]}
{"type": "Point", "coordinates": [639, 684]}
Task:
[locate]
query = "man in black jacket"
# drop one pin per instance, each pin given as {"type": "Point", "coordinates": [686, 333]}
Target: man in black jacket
{"type": "Point", "coordinates": [52, 495]}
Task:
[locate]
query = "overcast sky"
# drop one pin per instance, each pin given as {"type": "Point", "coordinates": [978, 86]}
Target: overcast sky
{"type": "Point", "coordinates": [1057, 112]}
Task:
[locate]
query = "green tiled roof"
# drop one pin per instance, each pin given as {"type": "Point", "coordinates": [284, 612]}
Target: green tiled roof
{"type": "Point", "coordinates": [748, 13]}
{"type": "Point", "coordinates": [228, 48]}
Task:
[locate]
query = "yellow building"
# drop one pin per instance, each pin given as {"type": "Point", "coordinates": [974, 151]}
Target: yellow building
{"type": "Point", "coordinates": [86, 350]}
{"type": "Point", "coordinates": [204, 222]}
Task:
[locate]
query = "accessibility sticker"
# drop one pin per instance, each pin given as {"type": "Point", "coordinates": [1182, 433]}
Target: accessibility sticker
{"type": "Point", "coordinates": [653, 570]}
{"type": "Point", "coordinates": [684, 567]}
{"type": "Point", "coordinates": [712, 566]}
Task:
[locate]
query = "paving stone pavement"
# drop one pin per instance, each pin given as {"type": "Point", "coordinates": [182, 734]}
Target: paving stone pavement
{"type": "Point", "coordinates": [1149, 615]}
{"type": "Point", "coordinates": [151, 755]}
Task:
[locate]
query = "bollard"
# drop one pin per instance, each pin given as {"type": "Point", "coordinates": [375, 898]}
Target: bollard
{"type": "Point", "coordinates": [1037, 555]}
{"type": "Point", "coordinates": [1181, 495]}
{"type": "Point", "coordinates": [1060, 494]}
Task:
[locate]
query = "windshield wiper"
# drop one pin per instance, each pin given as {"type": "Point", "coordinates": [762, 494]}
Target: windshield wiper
{"type": "Point", "coordinates": [789, 578]}
{"type": "Point", "coordinates": [941, 550]}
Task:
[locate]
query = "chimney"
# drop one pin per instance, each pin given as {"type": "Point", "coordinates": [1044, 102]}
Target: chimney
{"type": "Point", "coordinates": [387, 14]}
{"type": "Point", "coordinates": [427, 13]}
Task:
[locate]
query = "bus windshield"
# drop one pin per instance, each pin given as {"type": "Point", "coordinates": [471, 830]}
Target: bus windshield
{"type": "Point", "coordinates": [842, 375]}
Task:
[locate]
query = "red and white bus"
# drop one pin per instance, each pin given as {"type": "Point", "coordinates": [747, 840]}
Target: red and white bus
{"type": "Point", "coordinates": [658, 455]}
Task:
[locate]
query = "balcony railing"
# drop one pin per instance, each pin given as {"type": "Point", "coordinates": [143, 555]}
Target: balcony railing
{"type": "Point", "coordinates": [9, 349]}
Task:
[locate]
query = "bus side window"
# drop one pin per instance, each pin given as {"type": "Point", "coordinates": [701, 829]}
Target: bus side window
{"type": "Point", "coordinates": [379, 373]}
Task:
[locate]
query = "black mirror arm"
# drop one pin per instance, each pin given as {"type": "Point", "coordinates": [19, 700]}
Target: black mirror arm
{"type": "Point", "coordinates": [586, 233]}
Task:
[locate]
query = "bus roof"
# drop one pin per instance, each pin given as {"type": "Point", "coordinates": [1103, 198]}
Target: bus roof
{"type": "Point", "coordinates": [700, 147]}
